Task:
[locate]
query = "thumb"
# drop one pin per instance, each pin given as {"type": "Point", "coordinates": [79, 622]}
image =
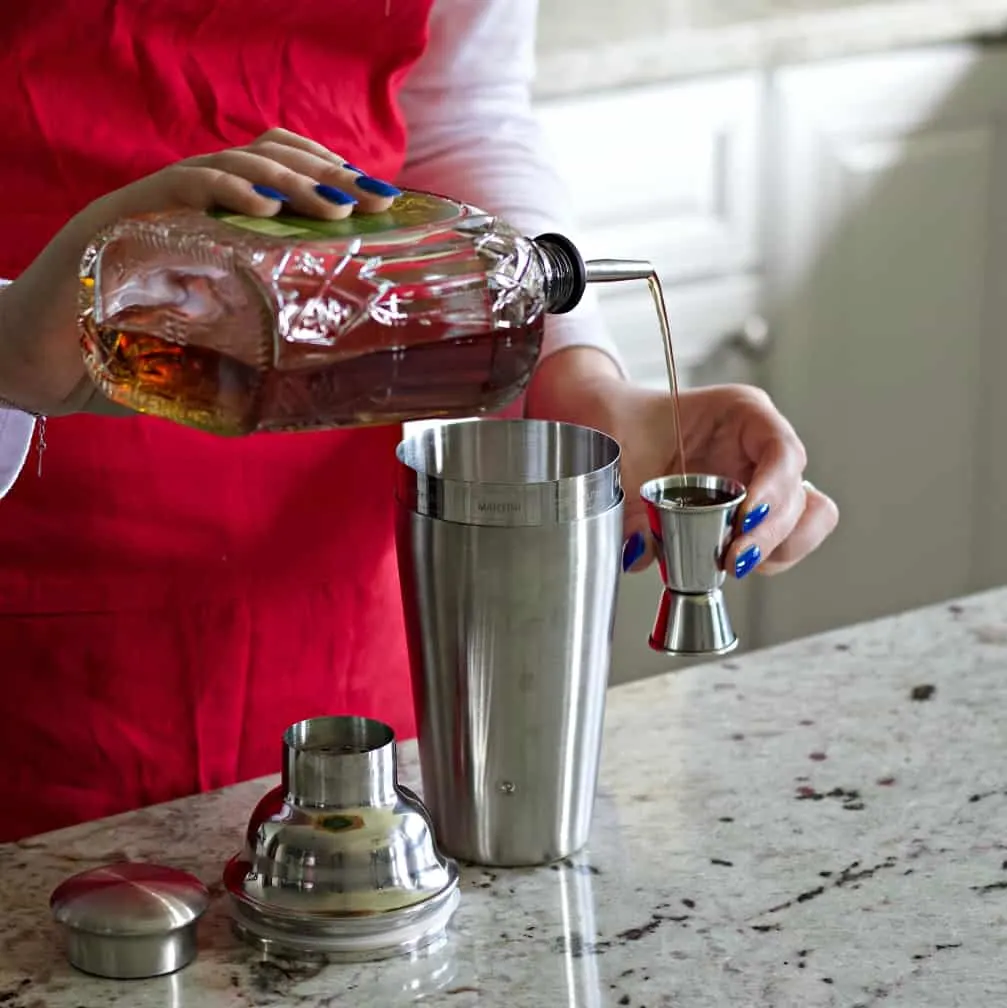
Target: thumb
{"type": "Point", "coordinates": [638, 543]}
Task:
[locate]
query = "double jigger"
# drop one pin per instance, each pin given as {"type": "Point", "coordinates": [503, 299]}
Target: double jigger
{"type": "Point", "coordinates": [692, 521]}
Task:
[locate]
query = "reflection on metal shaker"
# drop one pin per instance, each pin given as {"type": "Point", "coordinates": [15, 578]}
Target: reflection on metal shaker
{"type": "Point", "coordinates": [509, 537]}
{"type": "Point", "coordinates": [580, 964]}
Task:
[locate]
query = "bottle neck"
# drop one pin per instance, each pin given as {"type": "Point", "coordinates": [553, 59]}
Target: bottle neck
{"type": "Point", "coordinates": [566, 274]}
{"type": "Point", "coordinates": [563, 272]}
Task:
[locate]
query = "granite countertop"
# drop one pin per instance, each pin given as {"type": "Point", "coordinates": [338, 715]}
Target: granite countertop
{"type": "Point", "coordinates": [589, 45]}
{"type": "Point", "coordinates": [824, 823]}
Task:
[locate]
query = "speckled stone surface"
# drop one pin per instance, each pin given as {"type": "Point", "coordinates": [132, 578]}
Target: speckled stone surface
{"type": "Point", "coordinates": [820, 824]}
{"type": "Point", "coordinates": [588, 45]}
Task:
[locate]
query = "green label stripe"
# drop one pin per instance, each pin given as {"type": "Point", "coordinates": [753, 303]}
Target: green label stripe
{"type": "Point", "coordinates": [289, 226]}
{"type": "Point", "coordinates": [409, 210]}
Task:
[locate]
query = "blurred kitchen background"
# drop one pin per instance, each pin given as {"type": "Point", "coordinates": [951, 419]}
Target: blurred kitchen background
{"type": "Point", "coordinates": [823, 188]}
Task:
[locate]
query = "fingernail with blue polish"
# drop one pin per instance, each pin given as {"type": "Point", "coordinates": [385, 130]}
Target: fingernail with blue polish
{"type": "Point", "coordinates": [633, 550]}
{"type": "Point", "coordinates": [270, 193]}
{"type": "Point", "coordinates": [376, 187]}
{"type": "Point", "coordinates": [755, 518]}
{"type": "Point", "coordinates": [747, 562]}
{"type": "Point", "coordinates": [334, 195]}
{"type": "Point", "coordinates": [353, 168]}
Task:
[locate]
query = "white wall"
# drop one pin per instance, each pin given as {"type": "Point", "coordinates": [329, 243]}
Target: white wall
{"type": "Point", "coordinates": [574, 24]}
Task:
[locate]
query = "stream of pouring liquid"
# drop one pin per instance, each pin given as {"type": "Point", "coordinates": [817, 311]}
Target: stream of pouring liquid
{"type": "Point", "coordinates": [613, 270]}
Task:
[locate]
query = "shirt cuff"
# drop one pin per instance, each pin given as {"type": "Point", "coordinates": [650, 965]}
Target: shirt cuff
{"type": "Point", "coordinates": [16, 429]}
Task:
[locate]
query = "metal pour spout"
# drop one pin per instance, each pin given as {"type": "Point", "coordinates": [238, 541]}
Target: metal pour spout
{"type": "Point", "coordinates": [566, 274]}
{"type": "Point", "coordinates": [613, 270]}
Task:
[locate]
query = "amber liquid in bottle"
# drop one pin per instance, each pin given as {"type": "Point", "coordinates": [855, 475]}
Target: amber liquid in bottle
{"type": "Point", "coordinates": [203, 388]}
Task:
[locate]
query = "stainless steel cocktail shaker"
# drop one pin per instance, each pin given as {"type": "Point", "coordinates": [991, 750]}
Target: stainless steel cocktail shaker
{"type": "Point", "coordinates": [509, 537]}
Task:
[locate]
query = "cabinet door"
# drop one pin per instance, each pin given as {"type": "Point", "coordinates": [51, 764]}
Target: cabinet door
{"type": "Point", "coordinates": [667, 173]}
{"type": "Point", "coordinates": [889, 195]}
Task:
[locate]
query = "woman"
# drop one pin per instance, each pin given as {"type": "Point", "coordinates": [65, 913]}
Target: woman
{"type": "Point", "coordinates": [170, 601]}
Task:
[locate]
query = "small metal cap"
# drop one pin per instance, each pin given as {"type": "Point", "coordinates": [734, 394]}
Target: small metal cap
{"type": "Point", "coordinates": [130, 920]}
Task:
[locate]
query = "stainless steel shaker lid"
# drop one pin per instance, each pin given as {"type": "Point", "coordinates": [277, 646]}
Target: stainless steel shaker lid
{"type": "Point", "coordinates": [341, 859]}
{"type": "Point", "coordinates": [130, 919]}
{"type": "Point", "coordinates": [509, 472]}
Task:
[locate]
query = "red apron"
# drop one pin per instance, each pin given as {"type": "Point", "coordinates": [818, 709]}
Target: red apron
{"type": "Point", "coordinates": [170, 601]}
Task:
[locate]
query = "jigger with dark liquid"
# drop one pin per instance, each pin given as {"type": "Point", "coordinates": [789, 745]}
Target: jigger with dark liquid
{"type": "Point", "coordinates": [691, 520]}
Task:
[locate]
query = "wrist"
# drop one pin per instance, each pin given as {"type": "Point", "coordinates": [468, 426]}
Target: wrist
{"type": "Point", "coordinates": [10, 365]}
{"type": "Point", "coordinates": [40, 362]}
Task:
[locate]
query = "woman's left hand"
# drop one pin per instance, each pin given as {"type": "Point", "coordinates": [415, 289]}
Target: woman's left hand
{"type": "Point", "coordinates": [728, 430]}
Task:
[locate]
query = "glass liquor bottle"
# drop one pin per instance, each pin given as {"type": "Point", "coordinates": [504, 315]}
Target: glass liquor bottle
{"type": "Point", "coordinates": [237, 325]}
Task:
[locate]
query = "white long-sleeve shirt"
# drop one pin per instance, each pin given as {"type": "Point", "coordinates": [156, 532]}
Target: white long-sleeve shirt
{"type": "Point", "coordinates": [473, 135]}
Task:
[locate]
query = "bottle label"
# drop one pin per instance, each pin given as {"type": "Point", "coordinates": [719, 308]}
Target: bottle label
{"type": "Point", "coordinates": [410, 210]}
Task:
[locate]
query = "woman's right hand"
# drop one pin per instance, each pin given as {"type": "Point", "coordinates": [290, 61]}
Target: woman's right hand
{"type": "Point", "coordinates": [41, 367]}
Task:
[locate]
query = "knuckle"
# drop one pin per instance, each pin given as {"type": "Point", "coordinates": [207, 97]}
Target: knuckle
{"type": "Point", "coordinates": [207, 170]}
{"type": "Point", "coordinates": [267, 148]}
{"type": "Point", "coordinates": [212, 175]}
{"type": "Point", "coordinates": [212, 158]}
{"type": "Point", "coordinates": [197, 179]}
{"type": "Point", "coordinates": [275, 135]}
{"type": "Point", "coordinates": [197, 171]}
{"type": "Point", "coordinates": [334, 177]}
{"type": "Point", "coordinates": [831, 511]}
{"type": "Point", "coordinates": [757, 396]}
{"type": "Point", "coordinates": [334, 172]}
{"type": "Point", "coordinates": [286, 180]}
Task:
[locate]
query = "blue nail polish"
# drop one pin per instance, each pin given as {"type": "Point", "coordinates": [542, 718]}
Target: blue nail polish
{"type": "Point", "coordinates": [633, 550]}
{"type": "Point", "coordinates": [354, 168]}
{"type": "Point", "coordinates": [747, 562]}
{"type": "Point", "coordinates": [755, 518]}
{"type": "Point", "coordinates": [270, 193]}
{"type": "Point", "coordinates": [376, 187]}
{"type": "Point", "coordinates": [334, 195]}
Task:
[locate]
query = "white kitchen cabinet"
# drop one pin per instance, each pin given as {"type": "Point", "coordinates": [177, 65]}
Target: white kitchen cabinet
{"type": "Point", "coordinates": [667, 173]}
{"type": "Point", "coordinates": [885, 263]}
{"type": "Point", "coordinates": [861, 207]}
